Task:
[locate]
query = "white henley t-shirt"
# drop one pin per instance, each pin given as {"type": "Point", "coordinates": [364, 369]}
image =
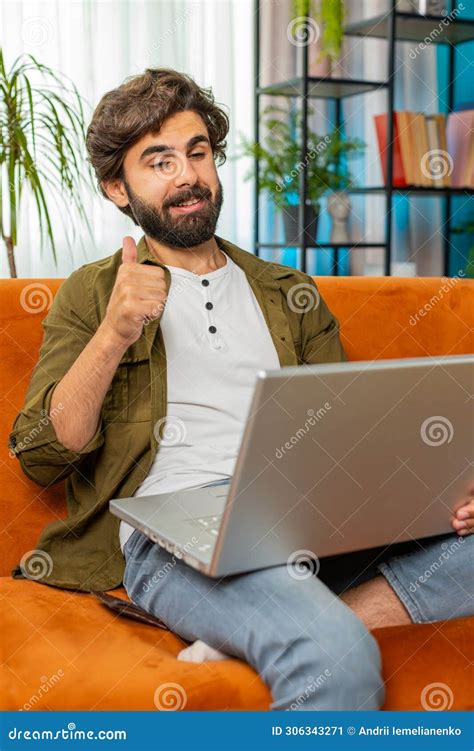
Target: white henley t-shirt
{"type": "Point", "coordinates": [216, 339]}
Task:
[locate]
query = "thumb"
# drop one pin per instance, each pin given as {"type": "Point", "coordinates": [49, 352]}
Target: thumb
{"type": "Point", "coordinates": [129, 250]}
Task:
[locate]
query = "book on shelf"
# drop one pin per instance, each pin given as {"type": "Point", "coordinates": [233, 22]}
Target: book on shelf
{"type": "Point", "coordinates": [428, 150]}
{"type": "Point", "coordinates": [460, 145]}
{"type": "Point", "coordinates": [398, 176]}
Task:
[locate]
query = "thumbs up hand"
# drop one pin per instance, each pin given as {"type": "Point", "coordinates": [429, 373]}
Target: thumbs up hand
{"type": "Point", "coordinates": [129, 250]}
{"type": "Point", "coordinates": [139, 294]}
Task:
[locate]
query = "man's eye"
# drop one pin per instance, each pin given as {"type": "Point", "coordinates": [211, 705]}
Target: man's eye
{"type": "Point", "coordinates": [160, 165]}
{"type": "Point", "coordinates": [166, 163]}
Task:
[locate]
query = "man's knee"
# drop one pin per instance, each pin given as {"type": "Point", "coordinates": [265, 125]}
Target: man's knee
{"type": "Point", "coordinates": [335, 665]}
{"type": "Point", "coordinates": [354, 654]}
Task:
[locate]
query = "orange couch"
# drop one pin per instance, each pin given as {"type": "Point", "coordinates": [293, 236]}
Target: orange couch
{"type": "Point", "coordinates": [64, 650]}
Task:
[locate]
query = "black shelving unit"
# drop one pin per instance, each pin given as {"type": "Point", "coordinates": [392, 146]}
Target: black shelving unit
{"type": "Point", "coordinates": [393, 26]}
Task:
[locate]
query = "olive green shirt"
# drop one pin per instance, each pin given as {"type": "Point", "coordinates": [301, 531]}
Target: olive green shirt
{"type": "Point", "coordinates": [85, 547]}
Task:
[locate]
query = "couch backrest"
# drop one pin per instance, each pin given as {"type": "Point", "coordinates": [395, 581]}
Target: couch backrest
{"type": "Point", "coordinates": [380, 318]}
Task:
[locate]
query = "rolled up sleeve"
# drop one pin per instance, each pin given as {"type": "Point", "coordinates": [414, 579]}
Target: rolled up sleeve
{"type": "Point", "coordinates": [67, 330]}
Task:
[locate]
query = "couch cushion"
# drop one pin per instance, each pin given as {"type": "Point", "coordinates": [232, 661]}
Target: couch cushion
{"type": "Point", "coordinates": [66, 651]}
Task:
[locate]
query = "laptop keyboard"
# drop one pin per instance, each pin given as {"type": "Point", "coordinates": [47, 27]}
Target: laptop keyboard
{"type": "Point", "coordinates": [210, 523]}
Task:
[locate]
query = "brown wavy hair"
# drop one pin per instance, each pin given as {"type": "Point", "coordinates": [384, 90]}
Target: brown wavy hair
{"type": "Point", "coordinates": [139, 106]}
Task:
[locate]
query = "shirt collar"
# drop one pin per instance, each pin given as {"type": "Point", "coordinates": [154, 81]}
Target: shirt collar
{"type": "Point", "coordinates": [251, 265]}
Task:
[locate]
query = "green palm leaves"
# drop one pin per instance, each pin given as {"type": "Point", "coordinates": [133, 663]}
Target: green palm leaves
{"type": "Point", "coordinates": [42, 133]}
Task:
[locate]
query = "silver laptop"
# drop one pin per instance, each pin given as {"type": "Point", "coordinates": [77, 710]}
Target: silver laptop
{"type": "Point", "coordinates": [334, 458]}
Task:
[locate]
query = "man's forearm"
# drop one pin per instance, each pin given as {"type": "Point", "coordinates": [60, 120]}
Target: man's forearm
{"type": "Point", "coordinates": [77, 399]}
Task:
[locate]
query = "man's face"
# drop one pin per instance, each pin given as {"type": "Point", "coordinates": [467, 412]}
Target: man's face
{"type": "Point", "coordinates": [169, 168]}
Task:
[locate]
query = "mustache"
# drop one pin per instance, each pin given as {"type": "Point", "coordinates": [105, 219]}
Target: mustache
{"type": "Point", "coordinates": [188, 196]}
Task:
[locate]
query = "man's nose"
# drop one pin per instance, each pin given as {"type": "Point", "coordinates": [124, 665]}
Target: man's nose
{"type": "Point", "coordinates": [186, 174]}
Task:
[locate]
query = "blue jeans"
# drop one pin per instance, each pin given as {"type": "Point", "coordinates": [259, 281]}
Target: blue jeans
{"type": "Point", "coordinates": [307, 645]}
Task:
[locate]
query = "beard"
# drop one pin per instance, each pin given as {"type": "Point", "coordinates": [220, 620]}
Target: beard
{"type": "Point", "coordinates": [179, 231]}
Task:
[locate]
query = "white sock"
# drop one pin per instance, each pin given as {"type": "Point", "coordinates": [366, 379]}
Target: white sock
{"type": "Point", "coordinates": [200, 652]}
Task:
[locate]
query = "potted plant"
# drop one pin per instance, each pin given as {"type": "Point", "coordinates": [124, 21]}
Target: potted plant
{"type": "Point", "coordinates": [323, 31]}
{"type": "Point", "coordinates": [467, 228]}
{"type": "Point", "coordinates": [42, 134]}
{"type": "Point", "coordinates": [280, 167]}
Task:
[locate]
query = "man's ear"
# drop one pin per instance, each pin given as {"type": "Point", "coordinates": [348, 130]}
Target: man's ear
{"type": "Point", "coordinates": [115, 191]}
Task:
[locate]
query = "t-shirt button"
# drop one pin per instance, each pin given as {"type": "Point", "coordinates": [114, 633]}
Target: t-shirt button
{"type": "Point", "coordinates": [205, 282]}
{"type": "Point", "coordinates": [209, 305]}
{"type": "Point", "coordinates": [212, 329]}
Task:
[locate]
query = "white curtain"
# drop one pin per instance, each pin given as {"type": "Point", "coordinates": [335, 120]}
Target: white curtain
{"type": "Point", "coordinates": [99, 43]}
